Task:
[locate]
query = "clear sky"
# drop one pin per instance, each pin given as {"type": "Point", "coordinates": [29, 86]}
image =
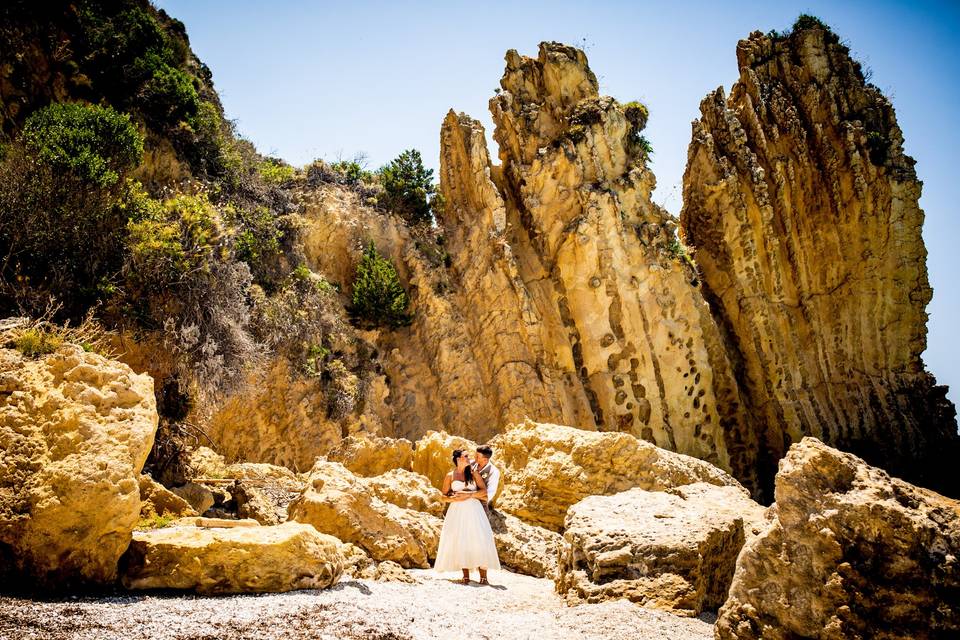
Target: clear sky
{"type": "Point", "coordinates": [309, 80]}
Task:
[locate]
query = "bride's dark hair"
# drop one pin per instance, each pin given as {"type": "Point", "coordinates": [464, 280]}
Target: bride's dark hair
{"type": "Point", "coordinates": [468, 472]}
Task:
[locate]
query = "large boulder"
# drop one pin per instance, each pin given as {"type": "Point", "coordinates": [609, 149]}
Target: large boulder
{"type": "Point", "coordinates": [369, 455]}
{"type": "Point", "coordinates": [156, 501]}
{"type": "Point", "coordinates": [408, 490]}
{"type": "Point", "coordinates": [547, 467]}
{"type": "Point", "coordinates": [338, 503]}
{"type": "Point", "coordinates": [75, 431]}
{"type": "Point", "coordinates": [248, 559]}
{"type": "Point", "coordinates": [673, 550]}
{"type": "Point", "coordinates": [849, 553]}
{"type": "Point", "coordinates": [433, 454]}
{"type": "Point", "coordinates": [524, 548]}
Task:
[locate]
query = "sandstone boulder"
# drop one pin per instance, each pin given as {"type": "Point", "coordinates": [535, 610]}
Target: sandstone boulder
{"type": "Point", "coordinates": [75, 431]}
{"type": "Point", "coordinates": [198, 496]}
{"type": "Point", "coordinates": [408, 490]}
{"type": "Point", "coordinates": [673, 551]}
{"type": "Point", "coordinates": [156, 501]}
{"type": "Point", "coordinates": [547, 467]}
{"type": "Point", "coordinates": [367, 455]}
{"type": "Point", "coordinates": [338, 503]}
{"type": "Point", "coordinates": [433, 454]}
{"type": "Point", "coordinates": [524, 548]}
{"type": "Point", "coordinates": [849, 553]}
{"type": "Point", "coordinates": [236, 560]}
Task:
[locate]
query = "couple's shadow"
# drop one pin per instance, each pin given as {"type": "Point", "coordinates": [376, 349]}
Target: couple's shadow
{"type": "Point", "coordinates": [476, 585]}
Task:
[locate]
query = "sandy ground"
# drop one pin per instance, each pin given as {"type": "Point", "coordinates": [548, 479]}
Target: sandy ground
{"type": "Point", "coordinates": [514, 606]}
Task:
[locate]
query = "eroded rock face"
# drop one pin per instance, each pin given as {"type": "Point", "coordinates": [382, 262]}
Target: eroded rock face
{"type": "Point", "coordinates": [851, 552]}
{"type": "Point", "coordinates": [158, 501]}
{"type": "Point", "coordinates": [670, 550]}
{"type": "Point", "coordinates": [546, 468]}
{"type": "Point", "coordinates": [584, 313]}
{"type": "Point", "coordinates": [369, 455]}
{"type": "Point", "coordinates": [408, 490]}
{"type": "Point", "coordinates": [281, 420]}
{"type": "Point", "coordinates": [433, 455]}
{"type": "Point", "coordinates": [76, 429]}
{"type": "Point", "coordinates": [233, 560]}
{"type": "Point", "coordinates": [523, 547]}
{"type": "Point", "coordinates": [803, 211]}
{"type": "Point", "coordinates": [338, 503]}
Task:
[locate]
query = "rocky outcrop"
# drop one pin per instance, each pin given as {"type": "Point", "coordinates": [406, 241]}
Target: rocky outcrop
{"type": "Point", "coordinates": [408, 490]}
{"type": "Point", "coordinates": [669, 550]}
{"type": "Point", "coordinates": [281, 420]}
{"type": "Point", "coordinates": [524, 548]}
{"type": "Point", "coordinates": [156, 501]}
{"type": "Point", "coordinates": [803, 211]}
{"type": "Point", "coordinates": [369, 455]}
{"type": "Point", "coordinates": [547, 468]}
{"type": "Point", "coordinates": [850, 552]}
{"type": "Point", "coordinates": [338, 503]}
{"type": "Point", "coordinates": [233, 560]}
{"type": "Point", "coordinates": [76, 429]}
{"type": "Point", "coordinates": [583, 312]}
{"type": "Point", "coordinates": [433, 455]}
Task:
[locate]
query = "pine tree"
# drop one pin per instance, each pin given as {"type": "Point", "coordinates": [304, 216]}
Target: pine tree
{"type": "Point", "coordinates": [408, 187]}
{"type": "Point", "coordinates": [378, 296]}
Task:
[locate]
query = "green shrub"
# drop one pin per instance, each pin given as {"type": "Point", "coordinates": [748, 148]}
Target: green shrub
{"type": "Point", "coordinates": [378, 296]}
{"type": "Point", "coordinates": [63, 206]}
{"type": "Point", "coordinates": [173, 242]}
{"type": "Point", "coordinates": [34, 342]}
{"type": "Point", "coordinates": [408, 186]}
{"type": "Point", "coordinates": [168, 97]}
{"type": "Point", "coordinates": [96, 144]}
{"type": "Point", "coordinates": [351, 172]}
{"type": "Point", "coordinates": [276, 172]}
{"type": "Point", "coordinates": [258, 242]}
{"type": "Point", "coordinates": [636, 114]}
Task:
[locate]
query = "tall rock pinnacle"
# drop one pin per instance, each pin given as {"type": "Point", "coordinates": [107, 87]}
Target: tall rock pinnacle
{"type": "Point", "coordinates": [803, 212]}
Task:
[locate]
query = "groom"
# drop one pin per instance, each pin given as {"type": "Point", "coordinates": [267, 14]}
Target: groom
{"type": "Point", "coordinates": [490, 474]}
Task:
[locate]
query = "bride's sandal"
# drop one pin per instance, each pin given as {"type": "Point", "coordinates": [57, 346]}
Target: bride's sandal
{"type": "Point", "coordinates": [483, 581]}
{"type": "Point", "coordinates": [464, 580]}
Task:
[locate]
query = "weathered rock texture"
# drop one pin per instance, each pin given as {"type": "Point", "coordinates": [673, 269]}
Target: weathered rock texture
{"type": "Point", "coordinates": [851, 553]}
{"type": "Point", "coordinates": [75, 431]}
{"type": "Point", "coordinates": [548, 467]}
{"type": "Point", "coordinates": [803, 211]}
{"type": "Point", "coordinates": [668, 550]}
{"type": "Point", "coordinates": [158, 501]}
{"type": "Point", "coordinates": [235, 560]}
{"type": "Point", "coordinates": [338, 503]}
{"type": "Point", "coordinates": [408, 490]}
{"type": "Point", "coordinates": [580, 311]}
{"type": "Point", "coordinates": [433, 455]}
{"type": "Point", "coordinates": [368, 455]}
{"type": "Point", "coordinates": [523, 547]}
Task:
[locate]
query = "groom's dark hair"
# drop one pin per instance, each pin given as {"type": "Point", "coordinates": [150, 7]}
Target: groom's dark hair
{"type": "Point", "coordinates": [485, 451]}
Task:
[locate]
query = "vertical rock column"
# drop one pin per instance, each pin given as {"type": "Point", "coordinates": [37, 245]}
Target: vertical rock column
{"type": "Point", "coordinates": [610, 314]}
{"type": "Point", "coordinates": [803, 211]}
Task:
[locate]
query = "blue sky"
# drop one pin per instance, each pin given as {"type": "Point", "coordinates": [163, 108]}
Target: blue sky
{"type": "Point", "coordinates": [309, 80]}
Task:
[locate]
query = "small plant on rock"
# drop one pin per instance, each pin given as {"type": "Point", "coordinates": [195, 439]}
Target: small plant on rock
{"type": "Point", "coordinates": [378, 296]}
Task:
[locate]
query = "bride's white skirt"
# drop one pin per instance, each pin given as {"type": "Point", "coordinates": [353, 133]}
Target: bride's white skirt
{"type": "Point", "coordinates": [466, 540]}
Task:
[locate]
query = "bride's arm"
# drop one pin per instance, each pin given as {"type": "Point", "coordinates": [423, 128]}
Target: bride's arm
{"type": "Point", "coordinates": [445, 491]}
{"type": "Point", "coordinates": [481, 492]}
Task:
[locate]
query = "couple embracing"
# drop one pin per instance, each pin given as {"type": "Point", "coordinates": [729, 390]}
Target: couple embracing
{"type": "Point", "coordinates": [466, 540]}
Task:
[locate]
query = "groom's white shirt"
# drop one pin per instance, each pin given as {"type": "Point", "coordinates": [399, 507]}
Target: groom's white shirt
{"type": "Point", "coordinates": [493, 482]}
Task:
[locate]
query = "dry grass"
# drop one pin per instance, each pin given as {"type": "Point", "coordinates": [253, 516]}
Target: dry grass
{"type": "Point", "coordinates": [35, 337]}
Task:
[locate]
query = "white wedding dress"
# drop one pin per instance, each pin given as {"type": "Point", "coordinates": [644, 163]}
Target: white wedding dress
{"type": "Point", "coordinates": [466, 540]}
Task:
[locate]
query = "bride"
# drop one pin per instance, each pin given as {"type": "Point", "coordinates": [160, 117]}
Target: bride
{"type": "Point", "coordinates": [466, 540]}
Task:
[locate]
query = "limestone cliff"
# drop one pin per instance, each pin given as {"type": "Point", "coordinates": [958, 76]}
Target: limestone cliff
{"type": "Point", "coordinates": [579, 310]}
{"type": "Point", "coordinates": [803, 211]}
